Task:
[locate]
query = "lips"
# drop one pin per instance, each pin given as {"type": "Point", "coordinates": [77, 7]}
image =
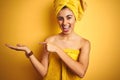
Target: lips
{"type": "Point", "coordinates": [66, 28]}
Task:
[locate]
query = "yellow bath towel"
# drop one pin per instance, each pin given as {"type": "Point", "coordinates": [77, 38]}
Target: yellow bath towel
{"type": "Point", "coordinates": [58, 70]}
{"type": "Point", "coordinates": [74, 5]}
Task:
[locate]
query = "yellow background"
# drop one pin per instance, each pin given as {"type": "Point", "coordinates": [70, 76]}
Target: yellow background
{"type": "Point", "coordinates": [27, 22]}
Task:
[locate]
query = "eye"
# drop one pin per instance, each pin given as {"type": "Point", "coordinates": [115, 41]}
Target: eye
{"type": "Point", "coordinates": [69, 17]}
{"type": "Point", "coordinates": [60, 18]}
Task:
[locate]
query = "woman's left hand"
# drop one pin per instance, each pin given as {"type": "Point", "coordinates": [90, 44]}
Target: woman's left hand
{"type": "Point", "coordinates": [51, 47]}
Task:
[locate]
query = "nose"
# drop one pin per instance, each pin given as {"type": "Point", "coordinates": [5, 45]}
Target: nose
{"type": "Point", "coordinates": [64, 22]}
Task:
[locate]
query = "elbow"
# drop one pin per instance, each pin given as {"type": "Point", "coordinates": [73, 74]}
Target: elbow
{"type": "Point", "coordinates": [43, 74]}
{"type": "Point", "coordinates": [81, 74]}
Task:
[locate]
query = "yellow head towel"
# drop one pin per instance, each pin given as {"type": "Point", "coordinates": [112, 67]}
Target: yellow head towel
{"type": "Point", "coordinates": [73, 5]}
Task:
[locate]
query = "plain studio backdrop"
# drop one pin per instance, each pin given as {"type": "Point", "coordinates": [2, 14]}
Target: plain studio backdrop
{"type": "Point", "coordinates": [29, 22]}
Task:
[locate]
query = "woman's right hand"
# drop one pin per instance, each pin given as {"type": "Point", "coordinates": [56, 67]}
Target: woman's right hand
{"type": "Point", "coordinates": [19, 47]}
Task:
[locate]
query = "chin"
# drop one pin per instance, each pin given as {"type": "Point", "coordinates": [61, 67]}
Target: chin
{"type": "Point", "coordinates": [66, 33]}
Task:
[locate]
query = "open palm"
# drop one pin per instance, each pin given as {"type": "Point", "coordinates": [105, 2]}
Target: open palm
{"type": "Point", "coordinates": [18, 47]}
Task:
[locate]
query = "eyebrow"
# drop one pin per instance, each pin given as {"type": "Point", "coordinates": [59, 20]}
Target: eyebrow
{"type": "Point", "coordinates": [67, 15]}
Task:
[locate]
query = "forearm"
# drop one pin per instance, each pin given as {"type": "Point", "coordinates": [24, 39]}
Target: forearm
{"type": "Point", "coordinates": [40, 67]}
{"type": "Point", "coordinates": [37, 65]}
{"type": "Point", "coordinates": [75, 66]}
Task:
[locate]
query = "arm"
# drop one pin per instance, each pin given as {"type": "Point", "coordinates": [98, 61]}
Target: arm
{"type": "Point", "coordinates": [40, 67]}
{"type": "Point", "coordinates": [79, 67]}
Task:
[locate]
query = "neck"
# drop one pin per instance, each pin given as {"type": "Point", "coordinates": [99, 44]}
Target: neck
{"type": "Point", "coordinates": [67, 36]}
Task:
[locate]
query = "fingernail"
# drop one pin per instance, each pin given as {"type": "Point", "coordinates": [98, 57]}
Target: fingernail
{"type": "Point", "coordinates": [42, 42]}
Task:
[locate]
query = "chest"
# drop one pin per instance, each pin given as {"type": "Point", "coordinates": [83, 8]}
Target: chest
{"type": "Point", "coordinates": [72, 44]}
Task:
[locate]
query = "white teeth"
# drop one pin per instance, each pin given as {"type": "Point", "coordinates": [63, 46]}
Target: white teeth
{"type": "Point", "coordinates": [65, 27]}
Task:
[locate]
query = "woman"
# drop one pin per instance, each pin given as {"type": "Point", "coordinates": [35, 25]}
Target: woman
{"type": "Point", "coordinates": [66, 55]}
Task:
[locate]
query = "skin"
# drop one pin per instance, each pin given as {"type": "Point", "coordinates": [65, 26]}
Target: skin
{"type": "Point", "coordinates": [57, 43]}
{"type": "Point", "coordinates": [68, 38]}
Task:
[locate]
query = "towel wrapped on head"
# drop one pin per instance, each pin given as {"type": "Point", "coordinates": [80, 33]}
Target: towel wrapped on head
{"type": "Point", "coordinates": [74, 5]}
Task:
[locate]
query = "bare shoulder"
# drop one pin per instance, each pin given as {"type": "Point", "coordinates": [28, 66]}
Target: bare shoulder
{"type": "Point", "coordinates": [84, 42]}
{"type": "Point", "coordinates": [51, 38]}
{"type": "Point", "coordinates": [86, 45]}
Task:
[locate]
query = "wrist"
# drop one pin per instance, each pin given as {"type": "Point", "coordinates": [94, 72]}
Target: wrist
{"type": "Point", "coordinates": [27, 51]}
{"type": "Point", "coordinates": [29, 54]}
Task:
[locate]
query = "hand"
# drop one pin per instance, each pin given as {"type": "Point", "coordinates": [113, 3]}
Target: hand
{"type": "Point", "coordinates": [19, 47]}
{"type": "Point", "coordinates": [51, 47]}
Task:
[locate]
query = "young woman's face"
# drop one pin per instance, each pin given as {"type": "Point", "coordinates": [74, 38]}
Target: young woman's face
{"type": "Point", "coordinates": [66, 20]}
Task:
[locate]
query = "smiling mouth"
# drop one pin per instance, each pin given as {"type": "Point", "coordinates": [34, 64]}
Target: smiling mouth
{"type": "Point", "coordinates": [66, 28]}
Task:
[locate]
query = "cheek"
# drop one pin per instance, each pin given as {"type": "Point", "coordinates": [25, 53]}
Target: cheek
{"type": "Point", "coordinates": [72, 22]}
{"type": "Point", "coordinates": [59, 22]}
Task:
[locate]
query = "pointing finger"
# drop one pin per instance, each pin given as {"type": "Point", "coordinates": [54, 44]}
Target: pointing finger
{"type": "Point", "coordinates": [43, 43]}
